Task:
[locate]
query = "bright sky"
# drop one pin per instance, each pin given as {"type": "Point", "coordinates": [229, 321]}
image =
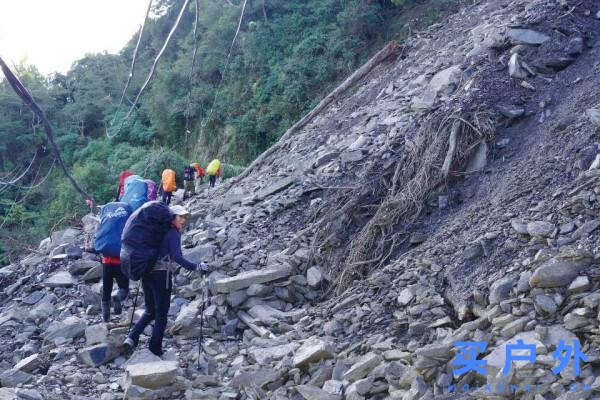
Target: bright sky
{"type": "Point", "coordinates": [51, 34]}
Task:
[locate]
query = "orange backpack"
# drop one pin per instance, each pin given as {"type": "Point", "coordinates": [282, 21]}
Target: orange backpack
{"type": "Point", "coordinates": [168, 181]}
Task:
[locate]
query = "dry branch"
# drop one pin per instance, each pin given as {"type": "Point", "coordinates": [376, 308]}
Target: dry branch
{"type": "Point", "coordinates": [24, 94]}
{"type": "Point", "coordinates": [451, 149]}
{"type": "Point", "coordinates": [133, 61]}
{"type": "Point", "coordinates": [157, 59]}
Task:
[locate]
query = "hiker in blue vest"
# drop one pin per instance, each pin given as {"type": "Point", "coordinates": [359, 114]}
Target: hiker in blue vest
{"type": "Point", "coordinates": [157, 283]}
{"type": "Point", "coordinates": [107, 243]}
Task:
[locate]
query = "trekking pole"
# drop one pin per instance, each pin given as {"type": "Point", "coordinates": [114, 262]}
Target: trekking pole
{"type": "Point", "coordinates": [201, 336]}
{"type": "Point", "coordinates": [134, 306]}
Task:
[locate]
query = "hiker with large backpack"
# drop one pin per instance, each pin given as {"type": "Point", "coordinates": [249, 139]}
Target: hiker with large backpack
{"type": "Point", "coordinates": [199, 176]}
{"type": "Point", "coordinates": [213, 171]}
{"type": "Point", "coordinates": [136, 191]}
{"type": "Point", "coordinates": [151, 248]}
{"type": "Point", "coordinates": [168, 185]}
{"type": "Point", "coordinates": [189, 174]}
{"type": "Point", "coordinates": [121, 188]}
{"type": "Point", "coordinates": [108, 243]}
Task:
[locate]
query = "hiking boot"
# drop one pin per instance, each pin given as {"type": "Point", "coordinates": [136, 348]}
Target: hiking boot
{"type": "Point", "coordinates": [117, 307]}
{"type": "Point", "coordinates": [128, 345]}
{"type": "Point", "coordinates": [106, 311]}
{"type": "Point", "coordinates": [129, 342]}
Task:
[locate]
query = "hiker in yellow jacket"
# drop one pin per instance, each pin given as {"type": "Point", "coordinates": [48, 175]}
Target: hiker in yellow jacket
{"type": "Point", "coordinates": [213, 171]}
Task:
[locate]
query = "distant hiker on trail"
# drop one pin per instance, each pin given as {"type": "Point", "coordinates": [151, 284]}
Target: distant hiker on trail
{"type": "Point", "coordinates": [121, 189]}
{"type": "Point", "coordinates": [189, 174]}
{"type": "Point", "coordinates": [108, 243]}
{"type": "Point", "coordinates": [157, 284]}
{"type": "Point", "coordinates": [168, 185]}
{"type": "Point", "coordinates": [213, 171]}
{"type": "Point", "coordinates": [199, 176]}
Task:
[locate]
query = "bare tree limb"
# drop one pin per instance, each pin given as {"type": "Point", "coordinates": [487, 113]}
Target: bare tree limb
{"type": "Point", "coordinates": [191, 75]}
{"type": "Point", "coordinates": [451, 149]}
{"type": "Point", "coordinates": [157, 59]}
{"type": "Point", "coordinates": [133, 61]}
{"type": "Point", "coordinates": [264, 11]}
{"type": "Point", "coordinates": [237, 31]}
{"type": "Point", "coordinates": [212, 108]}
{"type": "Point", "coordinates": [15, 180]}
{"type": "Point", "coordinates": [24, 94]}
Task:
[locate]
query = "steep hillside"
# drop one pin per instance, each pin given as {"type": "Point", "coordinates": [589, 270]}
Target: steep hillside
{"type": "Point", "coordinates": [450, 196]}
{"type": "Point", "coordinates": [231, 101]}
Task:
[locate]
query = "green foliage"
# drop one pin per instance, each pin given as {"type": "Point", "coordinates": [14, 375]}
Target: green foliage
{"type": "Point", "coordinates": [230, 170]}
{"type": "Point", "coordinates": [3, 255]}
{"type": "Point", "coordinates": [14, 214]}
{"type": "Point", "coordinates": [155, 161]}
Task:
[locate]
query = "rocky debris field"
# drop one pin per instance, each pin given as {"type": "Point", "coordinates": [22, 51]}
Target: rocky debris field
{"type": "Point", "coordinates": [505, 251]}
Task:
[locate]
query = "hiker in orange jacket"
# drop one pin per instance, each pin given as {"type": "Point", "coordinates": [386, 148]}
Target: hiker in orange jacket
{"type": "Point", "coordinates": [168, 185]}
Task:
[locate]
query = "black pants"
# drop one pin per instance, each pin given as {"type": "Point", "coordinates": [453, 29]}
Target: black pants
{"type": "Point", "coordinates": [166, 197]}
{"type": "Point", "coordinates": [157, 296]}
{"type": "Point", "coordinates": [112, 272]}
{"type": "Point", "coordinates": [212, 179]}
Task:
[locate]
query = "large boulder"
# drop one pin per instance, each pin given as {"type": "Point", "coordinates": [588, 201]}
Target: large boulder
{"type": "Point", "coordinates": [202, 253]}
{"type": "Point", "coordinates": [67, 236]}
{"type": "Point", "coordinates": [153, 374]}
{"type": "Point", "coordinates": [99, 354]}
{"type": "Point", "coordinates": [248, 278]}
{"type": "Point", "coordinates": [29, 364]}
{"type": "Point", "coordinates": [446, 80]}
{"type": "Point", "coordinates": [96, 334]}
{"type": "Point", "coordinates": [266, 355]}
{"type": "Point", "coordinates": [312, 350]}
{"type": "Point", "coordinates": [526, 36]}
{"type": "Point", "coordinates": [60, 279]}
{"type": "Point", "coordinates": [561, 270]}
{"type": "Point", "coordinates": [187, 319]}
{"type": "Point", "coordinates": [314, 393]}
{"type": "Point", "coordinates": [94, 274]}
{"type": "Point", "coordinates": [363, 367]}
{"type": "Point", "coordinates": [500, 290]}
{"type": "Point", "coordinates": [14, 377]}
{"type": "Point", "coordinates": [71, 327]}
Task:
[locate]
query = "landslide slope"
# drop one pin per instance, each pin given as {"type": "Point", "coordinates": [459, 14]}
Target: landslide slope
{"type": "Point", "coordinates": [446, 197]}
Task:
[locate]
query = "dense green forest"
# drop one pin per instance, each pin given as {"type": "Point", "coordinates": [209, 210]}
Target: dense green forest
{"type": "Point", "coordinates": [287, 56]}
